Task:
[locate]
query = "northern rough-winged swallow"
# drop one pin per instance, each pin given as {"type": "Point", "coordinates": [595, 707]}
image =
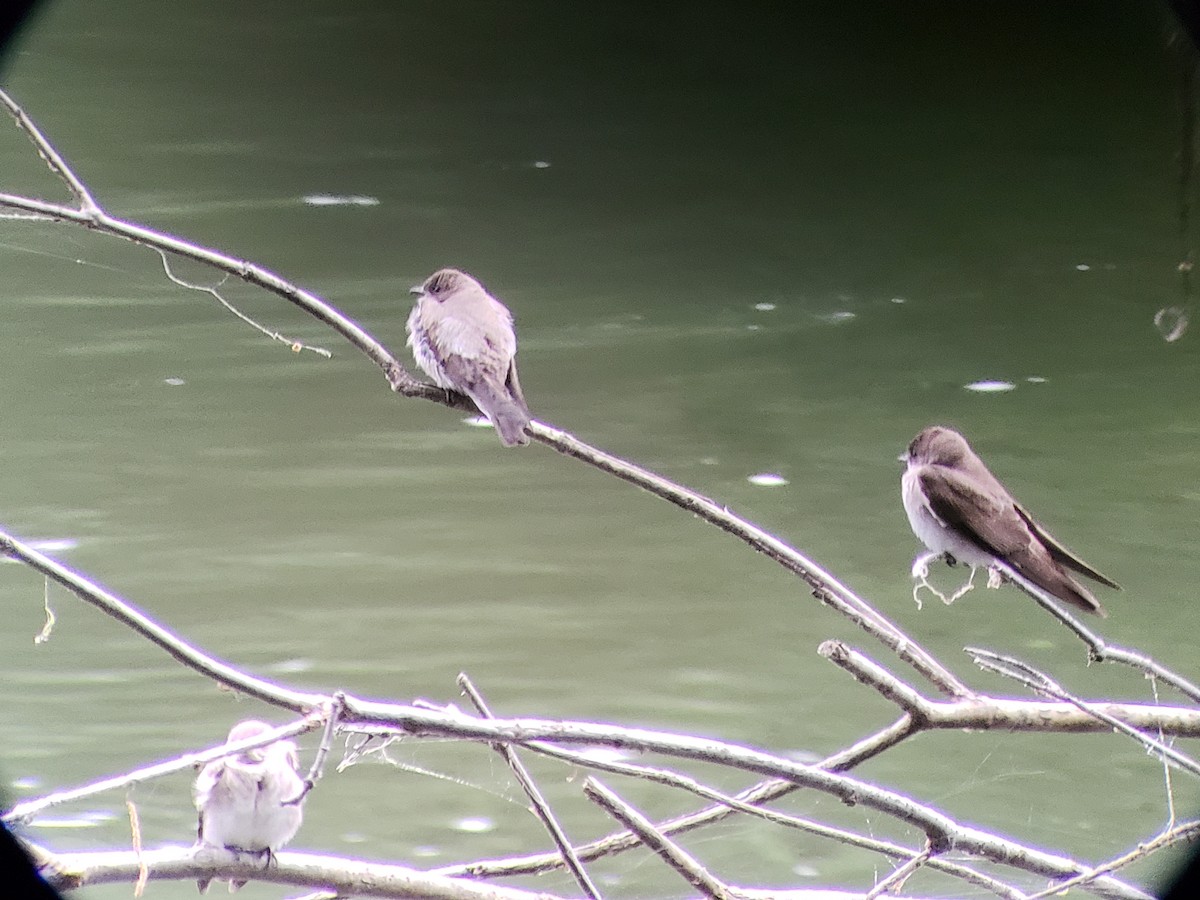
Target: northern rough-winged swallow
{"type": "Point", "coordinates": [462, 337]}
{"type": "Point", "coordinates": [958, 508]}
{"type": "Point", "coordinates": [241, 798]}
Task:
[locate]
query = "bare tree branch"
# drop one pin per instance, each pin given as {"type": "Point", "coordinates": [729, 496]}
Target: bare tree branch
{"type": "Point", "coordinates": [895, 881]}
{"type": "Point", "coordinates": [1099, 649]}
{"type": "Point", "coordinates": [23, 812]}
{"type": "Point", "coordinates": [1188, 831]}
{"type": "Point", "coordinates": [1012, 715]}
{"type": "Point", "coordinates": [333, 715]}
{"type": "Point", "coordinates": [691, 785]}
{"type": "Point", "coordinates": [540, 807]}
{"type": "Point", "coordinates": [824, 586]}
{"type": "Point", "coordinates": [178, 648]}
{"type": "Point", "coordinates": [1045, 685]}
{"type": "Point", "coordinates": [293, 343]}
{"type": "Point", "coordinates": [964, 709]}
{"type": "Point", "coordinates": [345, 876]}
{"type": "Point", "coordinates": [674, 855]}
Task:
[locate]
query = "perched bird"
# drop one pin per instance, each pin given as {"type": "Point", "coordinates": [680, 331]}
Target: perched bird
{"type": "Point", "coordinates": [462, 337]}
{"type": "Point", "coordinates": [958, 508]}
{"type": "Point", "coordinates": [241, 798]}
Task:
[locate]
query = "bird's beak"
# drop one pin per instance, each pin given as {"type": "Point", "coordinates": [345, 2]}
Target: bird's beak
{"type": "Point", "coordinates": [417, 289]}
{"type": "Point", "coordinates": [903, 457]}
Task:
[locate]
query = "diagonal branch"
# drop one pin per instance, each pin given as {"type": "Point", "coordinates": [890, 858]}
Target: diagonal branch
{"type": "Point", "coordinates": [674, 855]}
{"type": "Point", "coordinates": [1099, 649]}
{"type": "Point", "coordinates": [1044, 684]}
{"type": "Point", "coordinates": [824, 586]}
{"type": "Point", "coordinates": [46, 150]}
{"type": "Point", "coordinates": [540, 807]}
{"type": "Point", "coordinates": [25, 811]}
{"type": "Point", "coordinates": [180, 649]}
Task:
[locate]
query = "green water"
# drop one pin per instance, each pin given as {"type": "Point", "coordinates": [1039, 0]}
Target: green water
{"type": "Point", "coordinates": [633, 184]}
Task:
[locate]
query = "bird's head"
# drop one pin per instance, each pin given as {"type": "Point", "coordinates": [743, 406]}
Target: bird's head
{"type": "Point", "coordinates": [442, 283]}
{"type": "Point", "coordinates": [247, 730]}
{"type": "Point", "coordinates": [937, 445]}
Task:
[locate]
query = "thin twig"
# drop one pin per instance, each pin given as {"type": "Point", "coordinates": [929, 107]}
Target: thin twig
{"type": "Point", "coordinates": [870, 673]}
{"type": "Point", "coordinates": [23, 812]}
{"type": "Point", "coordinates": [670, 852]}
{"type": "Point", "coordinates": [174, 645]}
{"type": "Point", "coordinates": [691, 785]}
{"type": "Point", "coordinates": [46, 150]}
{"type": "Point", "coordinates": [900, 875]}
{"type": "Point", "coordinates": [1044, 684]}
{"type": "Point", "coordinates": [294, 344]}
{"type": "Point", "coordinates": [1098, 648]}
{"type": "Point", "coordinates": [540, 807]}
{"type": "Point", "coordinates": [1188, 831]}
{"type": "Point", "coordinates": [824, 586]}
{"type": "Point", "coordinates": [1013, 715]}
{"type": "Point", "coordinates": [333, 715]}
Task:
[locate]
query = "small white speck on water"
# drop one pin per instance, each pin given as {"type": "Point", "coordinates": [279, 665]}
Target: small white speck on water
{"type": "Point", "coordinates": [1083, 267]}
{"type": "Point", "coordinates": [354, 837]}
{"type": "Point", "coordinates": [291, 666]}
{"type": "Point", "coordinates": [340, 200]}
{"type": "Point", "coordinates": [808, 757]}
{"type": "Point", "coordinates": [475, 824]}
{"type": "Point", "coordinates": [1036, 379]}
{"type": "Point", "coordinates": [767, 479]}
{"type": "Point", "coordinates": [764, 307]}
{"type": "Point", "coordinates": [51, 545]}
{"type": "Point", "coordinates": [899, 300]}
{"type": "Point", "coordinates": [708, 460]}
{"type": "Point", "coordinates": [841, 315]}
{"type": "Point", "coordinates": [606, 754]}
{"type": "Point", "coordinates": [478, 421]}
{"type": "Point", "coordinates": [754, 328]}
{"type": "Point", "coordinates": [26, 783]}
{"type": "Point", "coordinates": [805, 871]}
{"type": "Point", "coordinates": [174, 382]}
{"type": "Point", "coordinates": [541, 164]}
{"type": "Point", "coordinates": [426, 851]}
{"type": "Point", "coordinates": [87, 819]}
{"type": "Point", "coordinates": [990, 387]}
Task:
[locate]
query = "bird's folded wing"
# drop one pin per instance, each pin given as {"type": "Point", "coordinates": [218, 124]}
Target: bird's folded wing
{"type": "Point", "coordinates": [985, 519]}
{"type": "Point", "coordinates": [207, 781]}
{"type": "Point", "coordinates": [514, 387]}
{"type": "Point", "coordinates": [1061, 555]}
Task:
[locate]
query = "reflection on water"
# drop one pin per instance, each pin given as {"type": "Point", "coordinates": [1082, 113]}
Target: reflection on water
{"type": "Point", "coordinates": [740, 253]}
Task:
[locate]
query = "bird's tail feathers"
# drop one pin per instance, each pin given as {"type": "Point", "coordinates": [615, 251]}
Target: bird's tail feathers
{"type": "Point", "coordinates": [509, 416]}
{"type": "Point", "coordinates": [1055, 581]}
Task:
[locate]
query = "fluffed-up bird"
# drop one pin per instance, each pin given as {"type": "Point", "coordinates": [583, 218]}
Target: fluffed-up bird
{"type": "Point", "coordinates": [958, 508]}
{"type": "Point", "coordinates": [462, 337]}
{"type": "Point", "coordinates": [242, 799]}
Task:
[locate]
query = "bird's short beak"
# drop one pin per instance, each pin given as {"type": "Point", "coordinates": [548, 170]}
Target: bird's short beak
{"type": "Point", "coordinates": [417, 289]}
{"type": "Point", "coordinates": [903, 457]}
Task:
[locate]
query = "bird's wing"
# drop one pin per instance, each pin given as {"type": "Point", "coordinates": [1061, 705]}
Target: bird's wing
{"type": "Point", "coordinates": [207, 781]}
{"type": "Point", "coordinates": [514, 386]}
{"type": "Point", "coordinates": [202, 791]}
{"type": "Point", "coordinates": [479, 381]}
{"type": "Point", "coordinates": [472, 376]}
{"type": "Point", "coordinates": [1061, 554]}
{"type": "Point", "coordinates": [988, 520]}
{"type": "Point", "coordinates": [991, 520]}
